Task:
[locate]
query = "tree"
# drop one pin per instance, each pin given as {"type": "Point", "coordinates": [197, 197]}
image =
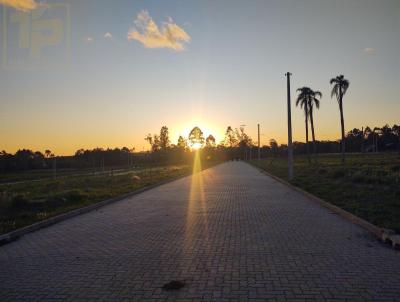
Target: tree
{"type": "Point", "coordinates": [355, 140]}
{"type": "Point", "coordinates": [47, 153]}
{"type": "Point", "coordinates": [182, 143]}
{"type": "Point", "coordinates": [149, 139]}
{"type": "Point", "coordinates": [164, 138]}
{"type": "Point", "coordinates": [396, 131]}
{"type": "Point", "coordinates": [376, 131]}
{"type": "Point", "coordinates": [339, 89]}
{"type": "Point", "coordinates": [154, 142]}
{"type": "Point", "coordinates": [243, 138]}
{"type": "Point", "coordinates": [273, 144]}
{"type": "Point", "coordinates": [210, 141]}
{"type": "Point", "coordinates": [313, 101]}
{"type": "Point", "coordinates": [196, 138]}
{"type": "Point", "coordinates": [303, 101]}
{"type": "Point", "coordinates": [230, 138]}
{"type": "Point", "coordinates": [79, 152]}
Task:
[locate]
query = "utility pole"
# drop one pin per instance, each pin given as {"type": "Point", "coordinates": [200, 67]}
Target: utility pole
{"type": "Point", "coordinates": [245, 148]}
{"type": "Point", "coordinates": [290, 146]}
{"type": "Point", "coordinates": [362, 139]}
{"type": "Point", "coordinates": [55, 167]}
{"type": "Point", "coordinates": [259, 155]}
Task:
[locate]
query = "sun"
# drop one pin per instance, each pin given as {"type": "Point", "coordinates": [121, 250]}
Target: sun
{"type": "Point", "coordinates": [196, 146]}
{"type": "Point", "coordinates": [207, 127]}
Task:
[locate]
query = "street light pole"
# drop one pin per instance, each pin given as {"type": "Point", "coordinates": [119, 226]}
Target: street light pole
{"type": "Point", "coordinates": [258, 126]}
{"type": "Point", "coordinates": [290, 146]}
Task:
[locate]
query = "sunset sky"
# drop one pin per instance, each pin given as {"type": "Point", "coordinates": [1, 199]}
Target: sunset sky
{"type": "Point", "coordinates": [121, 69]}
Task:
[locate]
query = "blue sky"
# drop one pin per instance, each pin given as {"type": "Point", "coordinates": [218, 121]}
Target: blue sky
{"type": "Point", "coordinates": [113, 91]}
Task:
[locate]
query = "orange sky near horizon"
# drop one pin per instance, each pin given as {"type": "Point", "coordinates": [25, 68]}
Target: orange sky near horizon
{"type": "Point", "coordinates": [68, 145]}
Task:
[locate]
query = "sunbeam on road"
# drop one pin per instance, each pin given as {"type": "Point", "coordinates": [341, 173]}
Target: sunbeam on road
{"type": "Point", "coordinates": [197, 205]}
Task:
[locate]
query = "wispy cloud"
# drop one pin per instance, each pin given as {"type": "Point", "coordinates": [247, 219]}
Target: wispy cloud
{"type": "Point", "coordinates": [89, 39]}
{"type": "Point", "coordinates": [369, 50]}
{"type": "Point", "coordinates": [108, 35]}
{"type": "Point", "coordinates": [169, 35]}
{"type": "Point", "coordinates": [22, 5]}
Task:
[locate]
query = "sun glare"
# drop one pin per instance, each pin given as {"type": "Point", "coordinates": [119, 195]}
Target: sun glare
{"type": "Point", "coordinates": [196, 146]}
{"type": "Point", "coordinates": [206, 126]}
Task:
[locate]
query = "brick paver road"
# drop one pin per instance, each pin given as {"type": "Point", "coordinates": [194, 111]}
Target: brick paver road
{"type": "Point", "coordinates": [232, 234]}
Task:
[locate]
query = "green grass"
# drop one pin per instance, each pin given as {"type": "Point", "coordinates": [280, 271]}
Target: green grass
{"type": "Point", "coordinates": [368, 185]}
{"type": "Point", "coordinates": [43, 174]}
{"type": "Point", "coordinates": [22, 204]}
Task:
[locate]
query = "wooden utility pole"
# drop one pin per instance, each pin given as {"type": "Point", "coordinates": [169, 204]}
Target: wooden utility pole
{"type": "Point", "coordinates": [290, 146]}
{"type": "Point", "coordinates": [55, 167]}
{"type": "Point", "coordinates": [259, 154]}
{"type": "Point", "coordinates": [362, 139]}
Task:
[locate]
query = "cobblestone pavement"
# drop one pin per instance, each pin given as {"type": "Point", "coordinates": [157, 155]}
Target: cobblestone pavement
{"type": "Point", "coordinates": [231, 233]}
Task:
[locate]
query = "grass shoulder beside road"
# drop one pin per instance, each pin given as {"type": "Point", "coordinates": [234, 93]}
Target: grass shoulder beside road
{"type": "Point", "coordinates": [22, 204]}
{"type": "Point", "coordinates": [367, 185]}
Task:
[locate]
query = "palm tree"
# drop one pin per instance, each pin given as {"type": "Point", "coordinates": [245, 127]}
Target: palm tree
{"type": "Point", "coordinates": [340, 85]}
{"type": "Point", "coordinates": [313, 100]}
{"type": "Point", "coordinates": [303, 101]}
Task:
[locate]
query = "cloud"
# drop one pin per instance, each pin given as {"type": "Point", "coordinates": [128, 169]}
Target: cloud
{"type": "Point", "coordinates": [169, 35]}
{"type": "Point", "coordinates": [22, 5]}
{"type": "Point", "coordinates": [89, 39]}
{"type": "Point", "coordinates": [369, 50]}
{"type": "Point", "coordinates": [108, 35]}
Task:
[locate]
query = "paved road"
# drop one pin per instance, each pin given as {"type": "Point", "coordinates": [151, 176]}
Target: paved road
{"type": "Point", "coordinates": [232, 233]}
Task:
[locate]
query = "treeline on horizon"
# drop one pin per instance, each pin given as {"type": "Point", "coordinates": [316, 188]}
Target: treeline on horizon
{"type": "Point", "coordinates": [235, 145]}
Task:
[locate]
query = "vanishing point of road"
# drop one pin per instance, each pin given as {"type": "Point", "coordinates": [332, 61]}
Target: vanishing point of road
{"type": "Point", "coordinates": [230, 233]}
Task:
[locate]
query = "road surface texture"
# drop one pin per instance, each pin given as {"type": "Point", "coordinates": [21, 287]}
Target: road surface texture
{"type": "Point", "coordinates": [230, 233]}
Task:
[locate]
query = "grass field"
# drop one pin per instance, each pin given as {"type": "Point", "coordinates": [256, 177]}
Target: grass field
{"type": "Point", "coordinates": [36, 175]}
{"type": "Point", "coordinates": [22, 204]}
{"type": "Point", "coordinates": [368, 185]}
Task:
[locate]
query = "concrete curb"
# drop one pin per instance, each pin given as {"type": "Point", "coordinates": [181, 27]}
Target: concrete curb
{"type": "Point", "coordinates": [381, 233]}
{"type": "Point", "coordinates": [15, 235]}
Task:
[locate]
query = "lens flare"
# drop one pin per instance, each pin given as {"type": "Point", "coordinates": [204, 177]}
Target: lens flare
{"type": "Point", "coordinates": [196, 146]}
{"type": "Point", "coordinates": [197, 206]}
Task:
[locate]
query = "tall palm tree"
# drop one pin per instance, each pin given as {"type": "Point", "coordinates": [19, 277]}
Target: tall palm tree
{"type": "Point", "coordinates": [303, 101]}
{"type": "Point", "coordinates": [313, 100]}
{"type": "Point", "coordinates": [340, 85]}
